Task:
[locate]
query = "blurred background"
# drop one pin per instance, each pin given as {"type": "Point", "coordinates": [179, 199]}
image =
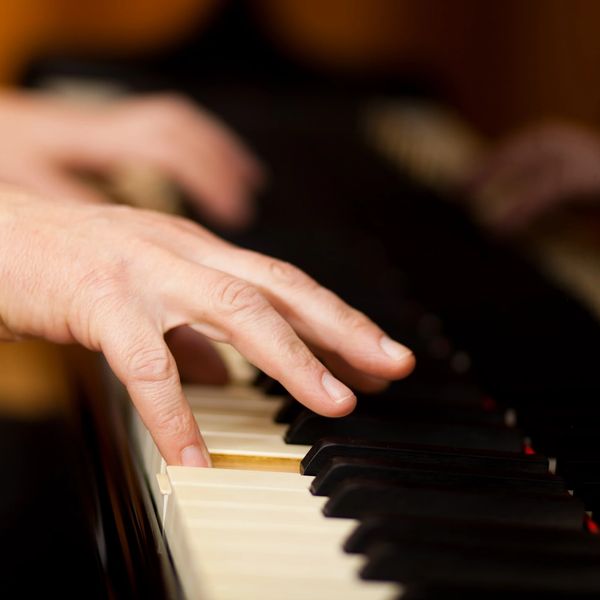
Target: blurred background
{"type": "Point", "coordinates": [402, 139]}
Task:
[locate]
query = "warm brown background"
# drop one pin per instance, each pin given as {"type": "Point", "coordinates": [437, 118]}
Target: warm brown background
{"type": "Point", "coordinates": [503, 61]}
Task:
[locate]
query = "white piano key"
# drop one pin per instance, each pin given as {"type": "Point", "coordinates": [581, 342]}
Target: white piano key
{"type": "Point", "coordinates": [337, 567]}
{"type": "Point", "coordinates": [229, 396]}
{"type": "Point", "coordinates": [240, 552]}
{"type": "Point", "coordinates": [265, 587]}
{"type": "Point", "coordinates": [191, 476]}
{"type": "Point", "coordinates": [247, 424]}
{"type": "Point", "coordinates": [241, 444]}
{"type": "Point", "coordinates": [239, 369]}
{"type": "Point", "coordinates": [260, 497]}
{"type": "Point", "coordinates": [251, 534]}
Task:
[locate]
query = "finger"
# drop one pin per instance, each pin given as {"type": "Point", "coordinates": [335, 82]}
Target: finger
{"type": "Point", "coordinates": [228, 309]}
{"type": "Point", "coordinates": [318, 315]}
{"type": "Point", "coordinates": [533, 200]}
{"type": "Point", "coordinates": [519, 154]}
{"type": "Point", "coordinates": [138, 354]}
{"type": "Point", "coordinates": [217, 191]}
{"type": "Point", "coordinates": [197, 359]}
{"type": "Point", "coordinates": [354, 378]}
{"type": "Point", "coordinates": [228, 144]}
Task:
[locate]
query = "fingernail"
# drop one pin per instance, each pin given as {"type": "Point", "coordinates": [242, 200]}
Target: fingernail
{"type": "Point", "coordinates": [393, 349]}
{"type": "Point", "coordinates": [195, 456]}
{"type": "Point", "coordinates": [336, 389]}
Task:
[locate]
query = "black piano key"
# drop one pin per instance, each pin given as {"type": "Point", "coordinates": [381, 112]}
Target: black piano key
{"type": "Point", "coordinates": [398, 407]}
{"type": "Point", "coordinates": [339, 470]}
{"type": "Point", "coordinates": [269, 386]}
{"type": "Point", "coordinates": [307, 428]}
{"type": "Point", "coordinates": [454, 565]}
{"type": "Point", "coordinates": [418, 388]}
{"type": "Point", "coordinates": [355, 499]}
{"type": "Point", "coordinates": [290, 409]}
{"type": "Point", "coordinates": [578, 469]}
{"type": "Point", "coordinates": [589, 493]}
{"type": "Point", "coordinates": [479, 592]}
{"type": "Point", "coordinates": [567, 439]}
{"type": "Point", "coordinates": [582, 475]}
{"type": "Point", "coordinates": [327, 448]}
{"type": "Point", "coordinates": [404, 531]}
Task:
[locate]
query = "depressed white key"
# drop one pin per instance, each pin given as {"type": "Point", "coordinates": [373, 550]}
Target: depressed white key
{"type": "Point", "coordinates": [192, 476]}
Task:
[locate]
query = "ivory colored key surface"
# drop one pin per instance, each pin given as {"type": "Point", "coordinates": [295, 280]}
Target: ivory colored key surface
{"type": "Point", "coordinates": [244, 534]}
{"type": "Point", "coordinates": [239, 429]}
{"type": "Point", "coordinates": [250, 533]}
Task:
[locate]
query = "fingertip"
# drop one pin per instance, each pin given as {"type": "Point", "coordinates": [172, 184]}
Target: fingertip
{"type": "Point", "coordinates": [408, 365]}
{"type": "Point", "coordinates": [402, 357]}
{"type": "Point", "coordinates": [394, 350]}
{"type": "Point", "coordinates": [196, 455]}
{"type": "Point", "coordinates": [342, 399]}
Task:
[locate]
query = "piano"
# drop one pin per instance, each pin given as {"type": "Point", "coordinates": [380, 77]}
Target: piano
{"type": "Point", "coordinates": [477, 477]}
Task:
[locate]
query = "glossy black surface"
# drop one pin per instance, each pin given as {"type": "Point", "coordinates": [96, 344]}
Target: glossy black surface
{"type": "Point", "coordinates": [50, 530]}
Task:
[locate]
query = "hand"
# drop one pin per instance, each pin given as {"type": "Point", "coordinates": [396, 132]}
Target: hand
{"type": "Point", "coordinates": [115, 279]}
{"type": "Point", "coordinates": [533, 173]}
{"type": "Point", "coordinates": [45, 141]}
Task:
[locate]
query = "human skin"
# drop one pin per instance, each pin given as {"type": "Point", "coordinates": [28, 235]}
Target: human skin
{"type": "Point", "coordinates": [45, 142]}
{"type": "Point", "coordinates": [116, 279]}
{"type": "Point", "coordinates": [533, 173]}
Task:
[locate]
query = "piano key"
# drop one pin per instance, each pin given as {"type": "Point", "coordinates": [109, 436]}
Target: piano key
{"type": "Point", "coordinates": [338, 470]}
{"type": "Point", "coordinates": [269, 587]}
{"type": "Point", "coordinates": [404, 531]}
{"type": "Point", "coordinates": [577, 469]}
{"type": "Point", "coordinates": [375, 407]}
{"type": "Point", "coordinates": [246, 424]}
{"type": "Point", "coordinates": [328, 448]}
{"type": "Point", "coordinates": [358, 498]}
{"type": "Point", "coordinates": [499, 570]}
{"type": "Point", "coordinates": [309, 428]}
{"type": "Point", "coordinates": [227, 522]}
{"type": "Point", "coordinates": [236, 404]}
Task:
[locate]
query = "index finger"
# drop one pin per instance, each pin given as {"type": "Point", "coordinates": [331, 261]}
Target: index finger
{"type": "Point", "coordinates": [139, 356]}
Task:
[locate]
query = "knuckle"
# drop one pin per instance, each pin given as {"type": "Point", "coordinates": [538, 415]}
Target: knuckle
{"type": "Point", "coordinates": [350, 318]}
{"type": "Point", "coordinates": [150, 364]}
{"type": "Point", "coordinates": [99, 290]}
{"type": "Point", "coordinates": [297, 353]}
{"type": "Point", "coordinates": [237, 296]}
{"type": "Point", "coordinates": [170, 420]}
{"type": "Point", "coordinates": [290, 275]}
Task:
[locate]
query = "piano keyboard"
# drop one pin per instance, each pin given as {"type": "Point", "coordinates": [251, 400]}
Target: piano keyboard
{"type": "Point", "coordinates": [397, 514]}
{"type": "Point", "coordinates": [254, 531]}
{"type": "Point", "coordinates": [430, 490]}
